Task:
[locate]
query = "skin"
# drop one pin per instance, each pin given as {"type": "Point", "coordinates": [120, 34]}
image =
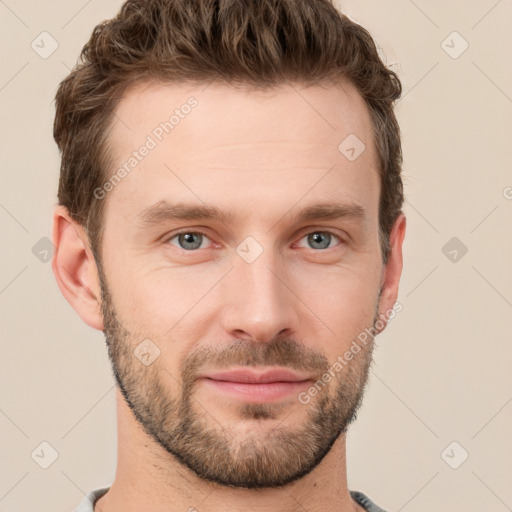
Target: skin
{"type": "Point", "coordinates": [263, 156]}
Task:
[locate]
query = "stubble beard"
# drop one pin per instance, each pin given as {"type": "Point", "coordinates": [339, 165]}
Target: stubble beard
{"type": "Point", "coordinates": [221, 454]}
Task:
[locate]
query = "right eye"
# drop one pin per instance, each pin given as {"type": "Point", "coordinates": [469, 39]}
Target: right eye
{"type": "Point", "coordinates": [188, 240]}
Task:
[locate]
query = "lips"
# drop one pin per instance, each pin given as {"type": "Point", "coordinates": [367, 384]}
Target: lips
{"type": "Point", "coordinates": [254, 377]}
{"type": "Point", "coordinates": [251, 386]}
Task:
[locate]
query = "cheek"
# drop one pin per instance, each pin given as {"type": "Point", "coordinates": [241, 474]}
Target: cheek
{"type": "Point", "coordinates": [153, 311]}
{"type": "Point", "coordinates": [159, 304]}
{"type": "Point", "coordinates": [340, 290]}
{"type": "Point", "coordinates": [343, 300]}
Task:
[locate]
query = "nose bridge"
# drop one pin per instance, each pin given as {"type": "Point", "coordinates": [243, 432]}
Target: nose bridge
{"type": "Point", "coordinates": [261, 305]}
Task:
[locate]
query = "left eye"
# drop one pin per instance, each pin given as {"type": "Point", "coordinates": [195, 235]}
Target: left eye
{"type": "Point", "coordinates": [192, 240]}
{"type": "Point", "coordinates": [321, 239]}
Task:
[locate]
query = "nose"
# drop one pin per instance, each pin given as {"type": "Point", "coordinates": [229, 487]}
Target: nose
{"type": "Point", "coordinates": [259, 302]}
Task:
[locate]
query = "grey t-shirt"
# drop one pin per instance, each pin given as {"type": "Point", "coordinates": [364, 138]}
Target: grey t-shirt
{"type": "Point", "coordinates": [87, 504]}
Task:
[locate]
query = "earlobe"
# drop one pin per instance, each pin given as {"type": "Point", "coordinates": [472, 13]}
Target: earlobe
{"type": "Point", "coordinates": [75, 269]}
{"type": "Point", "coordinates": [393, 270]}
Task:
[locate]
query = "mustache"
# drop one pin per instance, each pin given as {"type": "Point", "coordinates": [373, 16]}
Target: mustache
{"type": "Point", "coordinates": [280, 351]}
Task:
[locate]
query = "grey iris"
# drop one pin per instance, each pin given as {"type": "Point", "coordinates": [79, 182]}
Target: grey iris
{"type": "Point", "coordinates": [323, 239]}
{"type": "Point", "coordinates": [189, 237]}
{"type": "Point", "coordinates": [317, 238]}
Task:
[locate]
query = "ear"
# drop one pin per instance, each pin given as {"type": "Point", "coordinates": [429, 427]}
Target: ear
{"type": "Point", "coordinates": [75, 269]}
{"type": "Point", "coordinates": [392, 271]}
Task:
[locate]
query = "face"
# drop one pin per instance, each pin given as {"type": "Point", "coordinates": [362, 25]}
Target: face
{"type": "Point", "coordinates": [284, 276]}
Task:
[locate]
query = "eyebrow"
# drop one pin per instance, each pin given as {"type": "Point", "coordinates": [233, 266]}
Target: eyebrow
{"type": "Point", "coordinates": [163, 211]}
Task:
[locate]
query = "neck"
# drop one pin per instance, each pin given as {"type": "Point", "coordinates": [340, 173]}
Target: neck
{"type": "Point", "coordinates": [149, 478]}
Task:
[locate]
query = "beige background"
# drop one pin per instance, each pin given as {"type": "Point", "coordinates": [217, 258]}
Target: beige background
{"type": "Point", "coordinates": [442, 368]}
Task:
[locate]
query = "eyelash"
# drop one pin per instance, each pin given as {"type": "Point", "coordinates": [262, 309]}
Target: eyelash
{"type": "Point", "coordinates": [198, 232]}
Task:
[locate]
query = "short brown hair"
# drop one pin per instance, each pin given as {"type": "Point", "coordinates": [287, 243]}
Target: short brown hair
{"type": "Point", "coordinates": [260, 43]}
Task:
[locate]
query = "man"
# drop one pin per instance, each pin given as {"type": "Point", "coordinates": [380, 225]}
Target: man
{"type": "Point", "coordinates": [230, 216]}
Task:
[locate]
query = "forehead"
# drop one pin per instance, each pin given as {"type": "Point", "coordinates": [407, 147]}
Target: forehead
{"type": "Point", "coordinates": [265, 145]}
{"type": "Point", "coordinates": [323, 113]}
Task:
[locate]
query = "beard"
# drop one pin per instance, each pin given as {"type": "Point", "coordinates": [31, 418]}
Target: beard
{"type": "Point", "coordinates": [232, 455]}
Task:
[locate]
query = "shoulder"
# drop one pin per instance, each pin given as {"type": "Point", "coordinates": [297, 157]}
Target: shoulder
{"type": "Point", "coordinates": [365, 502]}
{"type": "Point", "coordinates": [87, 504]}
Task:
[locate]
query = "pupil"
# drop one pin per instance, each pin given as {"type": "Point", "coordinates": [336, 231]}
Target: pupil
{"type": "Point", "coordinates": [317, 238]}
{"type": "Point", "coordinates": [189, 239]}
